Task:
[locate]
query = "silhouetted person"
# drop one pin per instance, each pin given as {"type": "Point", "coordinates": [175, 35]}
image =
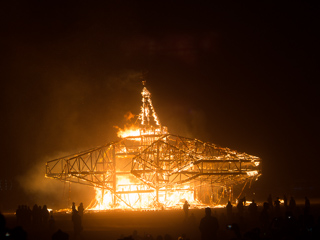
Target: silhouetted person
{"type": "Point", "coordinates": [240, 207]}
{"type": "Point", "coordinates": [253, 210]}
{"type": "Point", "coordinates": [292, 204]}
{"type": "Point", "coordinates": [269, 200]}
{"type": "Point", "coordinates": [26, 215]}
{"type": "Point", "coordinates": [186, 206]}
{"type": "Point", "coordinates": [40, 215]}
{"type": "Point", "coordinates": [265, 217]}
{"type": "Point", "coordinates": [36, 215]}
{"type": "Point", "coordinates": [51, 223]}
{"type": "Point", "coordinates": [3, 228]}
{"type": "Point", "coordinates": [277, 210]}
{"type": "Point", "coordinates": [73, 207]}
{"type": "Point", "coordinates": [229, 210]}
{"type": "Point", "coordinates": [244, 201]}
{"type": "Point", "coordinates": [77, 223]}
{"type": "Point", "coordinates": [285, 202]}
{"type": "Point", "coordinates": [19, 215]}
{"type": "Point", "coordinates": [45, 214]}
{"type": "Point", "coordinates": [81, 209]}
{"type": "Point", "coordinates": [290, 226]}
{"type": "Point", "coordinates": [59, 235]}
{"type": "Point", "coordinates": [208, 226]}
{"type": "Point", "coordinates": [306, 206]}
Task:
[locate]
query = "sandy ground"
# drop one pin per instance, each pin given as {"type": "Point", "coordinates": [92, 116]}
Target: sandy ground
{"type": "Point", "coordinates": [118, 224]}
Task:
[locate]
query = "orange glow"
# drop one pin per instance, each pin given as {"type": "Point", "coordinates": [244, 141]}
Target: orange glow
{"type": "Point", "coordinates": [150, 169]}
{"type": "Point", "coordinates": [167, 199]}
{"type": "Point", "coordinates": [128, 131]}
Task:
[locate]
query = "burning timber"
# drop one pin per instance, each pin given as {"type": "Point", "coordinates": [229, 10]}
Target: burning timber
{"type": "Point", "coordinates": [149, 168]}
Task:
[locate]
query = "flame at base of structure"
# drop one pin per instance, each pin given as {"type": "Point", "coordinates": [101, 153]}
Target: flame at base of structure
{"type": "Point", "coordinates": [147, 201]}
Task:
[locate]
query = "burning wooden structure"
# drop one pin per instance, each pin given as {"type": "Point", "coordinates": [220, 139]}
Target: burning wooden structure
{"type": "Point", "coordinates": [150, 168]}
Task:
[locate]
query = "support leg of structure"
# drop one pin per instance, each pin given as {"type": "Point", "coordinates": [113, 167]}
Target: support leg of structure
{"type": "Point", "coordinates": [114, 187]}
{"type": "Point", "coordinates": [102, 197]}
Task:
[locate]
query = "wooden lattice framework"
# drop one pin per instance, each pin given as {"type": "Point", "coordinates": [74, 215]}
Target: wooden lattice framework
{"type": "Point", "coordinates": [157, 162]}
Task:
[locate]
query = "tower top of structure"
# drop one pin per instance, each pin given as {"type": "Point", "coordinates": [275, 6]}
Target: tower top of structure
{"type": "Point", "coordinates": [148, 117]}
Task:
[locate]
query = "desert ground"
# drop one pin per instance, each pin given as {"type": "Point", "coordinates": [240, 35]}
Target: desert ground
{"type": "Point", "coordinates": [119, 224]}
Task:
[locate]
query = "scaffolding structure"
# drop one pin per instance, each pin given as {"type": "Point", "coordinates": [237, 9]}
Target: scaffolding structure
{"type": "Point", "coordinates": [157, 164]}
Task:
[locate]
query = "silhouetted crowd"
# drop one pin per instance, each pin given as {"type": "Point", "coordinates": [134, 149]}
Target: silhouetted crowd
{"type": "Point", "coordinates": [37, 216]}
{"type": "Point", "coordinates": [273, 220]}
{"type": "Point", "coordinates": [246, 221]}
{"type": "Point", "coordinates": [278, 219]}
{"type": "Point", "coordinates": [39, 223]}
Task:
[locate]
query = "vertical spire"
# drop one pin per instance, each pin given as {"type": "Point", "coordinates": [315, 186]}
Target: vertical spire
{"type": "Point", "coordinates": [148, 113]}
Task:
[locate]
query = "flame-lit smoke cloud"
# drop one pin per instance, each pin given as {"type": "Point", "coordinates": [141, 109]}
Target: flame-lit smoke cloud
{"type": "Point", "coordinates": [54, 194]}
{"type": "Point", "coordinates": [73, 116]}
{"type": "Point", "coordinates": [129, 115]}
{"type": "Point", "coordinates": [39, 189]}
{"type": "Point", "coordinates": [185, 121]}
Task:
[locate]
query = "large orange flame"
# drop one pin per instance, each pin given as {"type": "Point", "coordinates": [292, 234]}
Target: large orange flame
{"type": "Point", "coordinates": [128, 131]}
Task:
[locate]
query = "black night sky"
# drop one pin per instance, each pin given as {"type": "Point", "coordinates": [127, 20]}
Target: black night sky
{"type": "Point", "coordinates": [240, 76]}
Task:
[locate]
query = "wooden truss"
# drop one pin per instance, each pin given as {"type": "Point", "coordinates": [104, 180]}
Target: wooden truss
{"type": "Point", "coordinates": [157, 163]}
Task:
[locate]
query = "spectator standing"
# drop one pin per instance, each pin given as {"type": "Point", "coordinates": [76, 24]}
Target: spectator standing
{"type": "Point", "coordinates": [209, 226]}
